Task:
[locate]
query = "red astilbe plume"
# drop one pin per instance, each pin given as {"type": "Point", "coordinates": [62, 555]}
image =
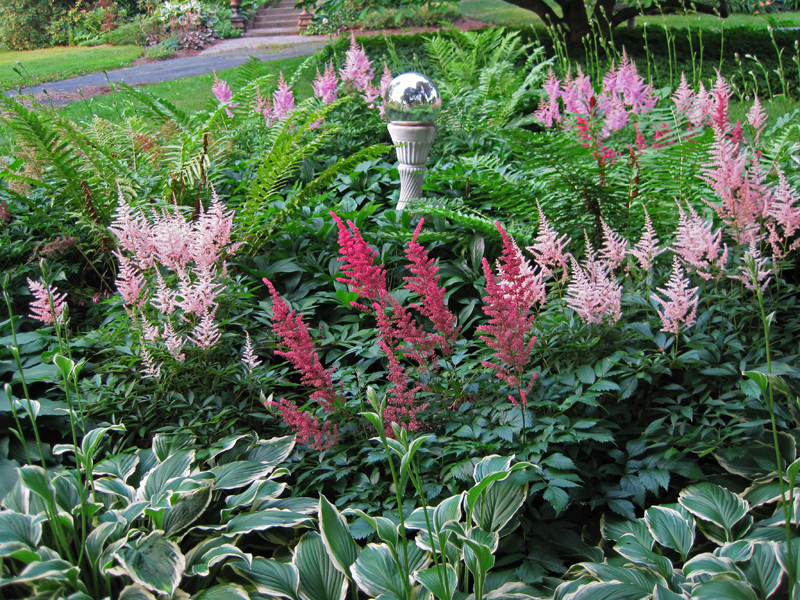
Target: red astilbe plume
{"type": "Point", "coordinates": [680, 308]}
{"type": "Point", "coordinates": [508, 302]}
{"type": "Point", "coordinates": [307, 428]}
{"type": "Point", "coordinates": [363, 276]}
{"type": "Point", "coordinates": [300, 350]}
{"type": "Point", "coordinates": [425, 283]}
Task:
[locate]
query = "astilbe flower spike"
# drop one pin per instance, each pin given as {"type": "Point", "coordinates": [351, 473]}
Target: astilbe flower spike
{"type": "Point", "coordinates": [698, 245]}
{"type": "Point", "coordinates": [615, 247]}
{"type": "Point", "coordinates": [326, 86]}
{"type": "Point", "coordinates": [784, 212]}
{"type": "Point", "coordinates": [646, 249]}
{"type": "Point", "coordinates": [680, 307]}
{"type": "Point", "coordinates": [755, 273]}
{"type": "Point", "coordinates": [757, 118]}
{"type": "Point", "coordinates": [249, 357]}
{"type": "Point", "coordinates": [307, 428]}
{"type": "Point", "coordinates": [357, 69]}
{"type": "Point", "coordinates": [300, 351]}
{"type": "Point", "coordinates": [683, 96]}
{"type": "Point", "coordinates": [223, 93]}
{"type": "Point", "coordinates": [592, 293]}
{"type": "Point", "coordinates": [282, 100]}
{"type": "Point", "coordinates": [41, 308]}
{"type": "Point", "coordinates": [507, 304]}
{"type": "Point", "coordinates": [549, 250]}
{"type": "Point", "coordinates": [361, 274]}
{"type": "Point", "coordinates": [425, 283]}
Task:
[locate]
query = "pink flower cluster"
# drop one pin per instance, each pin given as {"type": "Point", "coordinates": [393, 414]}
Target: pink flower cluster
{"type": "Point", "coordinates": [223, 93]}
{"type": "Point", "coordinates": [46, 302]}
{"type": "Point", "coordinates": [623, 93]}
{"type": "Point", "coordinates": [174, 268]}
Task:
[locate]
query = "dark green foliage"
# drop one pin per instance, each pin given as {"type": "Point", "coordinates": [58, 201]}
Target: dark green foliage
{"type": "Point", "coordinates": [24, 23]}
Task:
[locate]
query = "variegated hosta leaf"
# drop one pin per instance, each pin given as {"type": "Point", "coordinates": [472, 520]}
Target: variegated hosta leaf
{"type": "Point", "coordinates": [319, 578]}
{"type": "Point", "coordinates": [713, 503]}
{"type": "Point", "coordinates": [18, 532]}
{"type": "Point", "coordinates": [271, 578]}
{"type": "Point", "coordinates": [208, 553]}
{"type": "Point", "coordinates": [153, 562]}
{"type": "Point", "coordinates": [341, 546]}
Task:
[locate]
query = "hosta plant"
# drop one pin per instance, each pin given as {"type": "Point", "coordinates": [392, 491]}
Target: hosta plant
{"type": "Point", "coordinates": [708, 546]}
{"type": "Point", "coordinates": [157, 522]}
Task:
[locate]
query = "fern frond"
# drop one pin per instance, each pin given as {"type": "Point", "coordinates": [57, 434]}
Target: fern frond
{"type": "Point", "coordinates": [158, 109]}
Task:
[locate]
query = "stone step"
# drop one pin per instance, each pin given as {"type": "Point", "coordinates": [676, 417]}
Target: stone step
{"type": "Point", "coordinates": [267, 23]}
{"type": "Point", "coordinates": [278, 11]}
{"type": "Point", "coordinates": [272, 32]}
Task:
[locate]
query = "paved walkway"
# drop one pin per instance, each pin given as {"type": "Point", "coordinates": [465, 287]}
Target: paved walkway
{"type": "Point", "coordinates": [226, 55]}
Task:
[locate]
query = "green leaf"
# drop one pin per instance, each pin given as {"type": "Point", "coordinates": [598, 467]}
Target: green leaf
{"type": "Point", "coordinates": [319, 578]}
{"type": "Point", "coordinates": [487, 480]}
{"type": "Point", "coordinates": [498, 504]}
{"type": "Point", "coordinates": [271, 578]}
{"type": "Point", "coordinates": [273, 451]}
{"type": "Point", "coordinates": [154, 562]}
{"type": "Point", "coordinates": [166, 476]}
{"type": "Point", "coordinates": [557, 498]}
{"type": "Point", "coordinates": [613, 529]}
{"type": "Point", "coordinates": [37, 480]}
{"type": "Point", "coordinates": [238, 474]}
{"type": "Point", "coordinates": [209, 552]}
{"type": "Point", "coordinates": [97, 539]}
{"type": "Point", "coordinates": [228, 591]}
{"type": "Point", "coordinates": [376, 573]}
{"type": "Point", "coordinates": [603, 590]}
{"type": "Point", "coordinates": [792, 471]}
{"type": "Point", "coordinates": [636, 552]}
{"type": "Point", "coordinates": [135, 592]}
{"type": "Point", "coordinates": [716, 504]}
{"type": "Point", "coordinates": [759, 378]}
{"type": "Point", "coordinates": [707, 564]}
{"type": "Point", "coordinates": [336, 536]}
{"type": "Point", "coordinates": [92, 439]}
{"type": "Point", "coordinates": [266, 519]}
{"type": "Point", "coordinates": [670, 529]}
{"type": "Point", "coordinates": [18, 532]}
{"type": "Point", "coordinates": [385, 528]}
{"type": "Point", "coordinates": [441, 581]}
{"type": "Point", "coordinates": [479, 559]}
{"type": "Point", "coordinates": [585, 374]}
{"type": "Point", "coordinates": [723, 586]}
{"type": "Point", "coordinates": [662, 592]}
{"type": "Point", "coordinates": [186, 510]}
{"type": "Point", "coordinates": [120, 466]}
{"type": "Point", "coordinates": [763, 570]}
{"type": "Point", "coordinates": [50, 570]}
{"type": "Point", "coordinates": [491, 464]}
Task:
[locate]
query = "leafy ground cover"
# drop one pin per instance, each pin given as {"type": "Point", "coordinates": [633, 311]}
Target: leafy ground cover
{"type": "Point", "coordinates": [569, 371]}
{"type": "Point", "coordinates": [53, 64]}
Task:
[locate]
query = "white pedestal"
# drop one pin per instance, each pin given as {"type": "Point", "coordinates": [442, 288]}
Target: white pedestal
{"type": "Point", "coordinates": [413, 144]}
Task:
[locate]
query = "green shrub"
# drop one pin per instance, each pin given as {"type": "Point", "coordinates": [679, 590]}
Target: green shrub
{"type": "Point", "coordinates": [162, 50]}
{"type": "Point", "coordinates": [25, 23]}
{"type": "Point", "coordinates": [423, 16]}
{"type": "Point", "coordinates": [132, 33]}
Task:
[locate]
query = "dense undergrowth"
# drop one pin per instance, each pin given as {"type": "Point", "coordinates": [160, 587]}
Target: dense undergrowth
{"type": "Point", "coordinates": [579, 347]}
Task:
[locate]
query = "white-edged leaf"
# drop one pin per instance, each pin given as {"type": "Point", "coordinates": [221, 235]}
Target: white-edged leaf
{"type": "Point", "coordinates": [266, 519]}
{"type": "Point", "coordinates": [336, 536]}
{"type": "Point", "coordinates": [670, 529]}
{"type": "Point", "coordinates": [319, 578]}
{"type": "Point", "coordinates": [271, 578]}
{"type": "Point", "coordinates": [153, 562]}
{"type": "Point", "coordinates": [713, 503]}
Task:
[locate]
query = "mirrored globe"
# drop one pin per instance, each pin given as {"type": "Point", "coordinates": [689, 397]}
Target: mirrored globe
{"type": "Point", "coordinates": [412, 98]}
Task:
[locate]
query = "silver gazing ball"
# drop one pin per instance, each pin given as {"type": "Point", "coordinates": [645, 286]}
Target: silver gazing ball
{"type": "Point", "coordinates": [412, 98]}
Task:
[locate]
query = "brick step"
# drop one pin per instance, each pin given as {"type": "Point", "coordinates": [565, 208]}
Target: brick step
{"type": "Point", "coordinates": [272, 32]}
{"type": "Point", "coordinates": [278, 11]}
{"type": "Point", "coordinates": [267, 23]}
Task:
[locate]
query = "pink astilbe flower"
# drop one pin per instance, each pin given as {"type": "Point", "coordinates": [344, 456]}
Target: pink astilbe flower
{"type": "Point", "coordinates": [680, 308]}
{"type": "Point", "coordinates": [784, 212]}
{"type": "Point", "coordinates": [702, 107]}
{"type": "Point", "coordinates": [370, 95]}
{"type": "Point", "coordinates": [361, 274]}
{"type": "Point", "coordinates": [249, 357]}
{"type": "Point", "coordinates": [683, 96]}
{"type": "Point", "coordinates": [507, 304]}
{"type": "Point", "coordinates": [151, 369]}
{"type": "Point", "coordinates": [282, 100]}
{"type": "Point", "coordinates": [130, 282]}
{"type": "Point", "coordinates": [174, 342]}
{"type": "Point", "coordinates": [743, 196]}
{"type": "Point", "coordinates": [5, 214]}
{"type": "Point", "coordinates": [592, 293]}
{"type": "Point", "coordinates": [223, 92]}
{"type": "Point", "coordinates": [548, 111]}
{"type": "Point", "coordinates": [615, 247]}
{"type": "Point", "coordinates": [757, 118]}
{"type": "Point", "coordinates": [307, 428]}
{"type": "Point", "coordinates": [206, 334]}
{"type": "Point", "coordinates": [386, 79]}
{"type": "Point", "coordinates": [721, 94]}
{"type": "Point", "coordinates": [646, 249]}
{"type": "Point", "coordinates": [698, 245]}
{"type": "Point", "coordinates": [549, 250]}
{"type": "Point", "coordinates": [425, 283]}
{"type": "Point", "coordinates": [755, 273]}
{"type": "Point", "coordinates": [357, 69]}
{"type": "Point", "coordinates": [326, 86]}
{"type": "Point", "coordinates": [625, 82]}
{"type": "Point", "coordinates": [300, 351]}
{"type": "Point", "coordinates": [41, 308]}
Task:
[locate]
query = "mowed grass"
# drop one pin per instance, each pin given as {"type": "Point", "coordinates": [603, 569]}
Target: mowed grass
{"type": "Point", "coordinates": [498, 12]}
{"type": "Point", "coordinates": [54, 64]}
{"type": "Point", "coordinates": [190, 94]}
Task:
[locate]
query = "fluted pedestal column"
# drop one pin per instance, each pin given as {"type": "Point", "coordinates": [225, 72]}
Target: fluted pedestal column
{"type": "Point", "coordinates": [413, 144]}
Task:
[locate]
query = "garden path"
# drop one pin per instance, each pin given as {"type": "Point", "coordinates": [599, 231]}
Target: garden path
{"type": "Point", "coordinates": [230, 55]}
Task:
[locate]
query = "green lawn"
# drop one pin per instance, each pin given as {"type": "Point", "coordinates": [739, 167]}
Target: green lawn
{"type": "Point", "coordinates": [55, 64]}
{"type": "Point", "coordinates": [190, 94]}
{"type": "Point", "coordinates": [509, 15]}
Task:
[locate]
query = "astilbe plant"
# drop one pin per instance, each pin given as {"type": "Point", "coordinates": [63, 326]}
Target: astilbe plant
{"type": "Point", "coordinates": [171, 273]}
